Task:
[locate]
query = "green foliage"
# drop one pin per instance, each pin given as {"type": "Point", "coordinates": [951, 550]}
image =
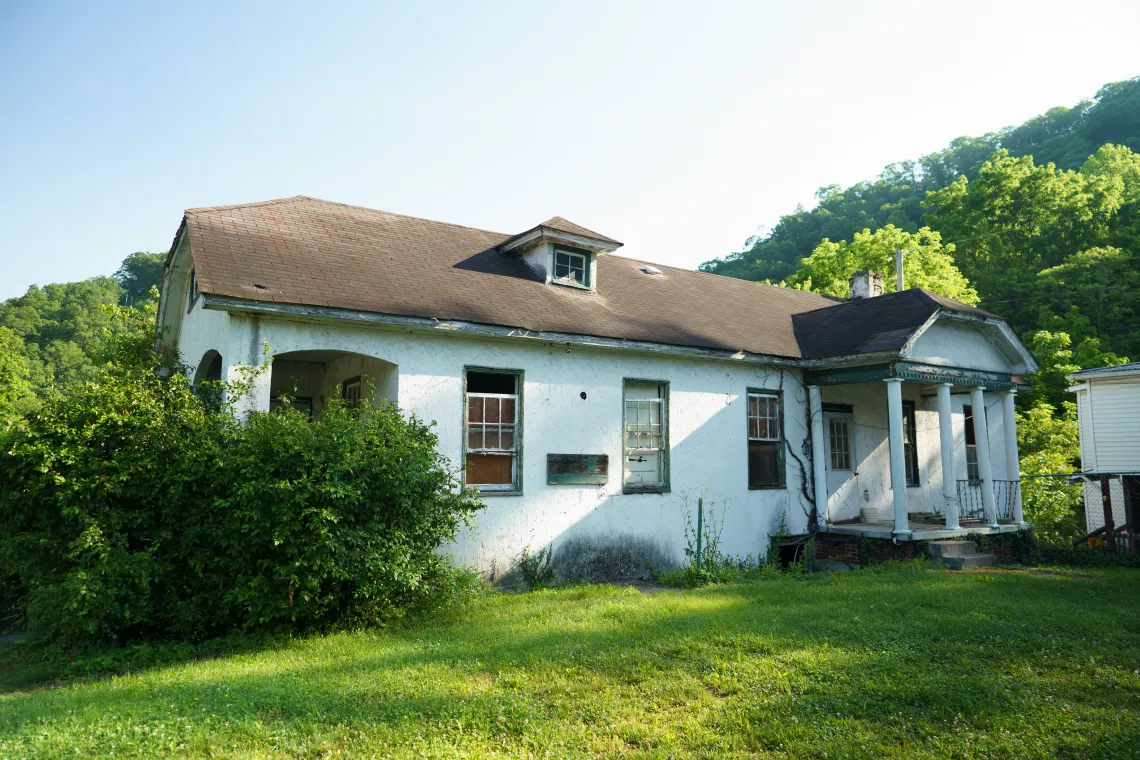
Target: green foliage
{"type": "Point", "coordinates": [16, 394]}
{"type": "Point", "coordinates": [140, 272]}
{"type": "Point", "coordinates": [1064, 136]}
{"type": "Point", "coordinates": [536, 570]}
{"type": "Point", "coordinates": [926, 263]}
{"type": "Point", "coordinates": [131, 509]}
{"type": "Point", "coordinates": [1048, 444]}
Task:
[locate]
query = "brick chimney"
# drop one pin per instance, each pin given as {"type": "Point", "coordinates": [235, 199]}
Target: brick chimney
{"type": "Point", "coordinates": [865, 284]}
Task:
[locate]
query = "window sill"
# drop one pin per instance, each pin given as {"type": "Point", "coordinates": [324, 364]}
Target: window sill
{"type": "Point", "coordinates": [644, 489]}
{"type": "Point", "coordinates": [914, 485]}
{"type": "Point", "coordinates": [778, 487]}
{"type": "Point", "coordinates": [512, 492]}
{"type": "Point", "coordinates": [571, 284]}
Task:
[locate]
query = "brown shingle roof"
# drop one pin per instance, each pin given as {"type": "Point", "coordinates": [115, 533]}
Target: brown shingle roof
{"type": "Point", "coordinates": [869, 325]}
{"type": "Point", "coordinates": [307, 251]}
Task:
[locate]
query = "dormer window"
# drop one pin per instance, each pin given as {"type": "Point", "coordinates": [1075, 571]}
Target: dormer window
{"type": "Point", "coordinates": [571, 267]}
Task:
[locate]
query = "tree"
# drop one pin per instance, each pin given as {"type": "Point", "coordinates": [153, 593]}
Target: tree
{"type": "Point", "coordinates": [16, 394]}
{"type": "Point", "coordinates": [139, 272]}
{"type": "Point", "coordinates": [926, 263]}
{"type": "Point", "coordinates": [1048, 444]}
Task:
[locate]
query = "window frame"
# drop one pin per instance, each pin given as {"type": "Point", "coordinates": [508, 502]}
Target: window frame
{"type": "Point", "coordinates": [587, 267]}
{"type": "Point", "coordinates": [781, 440]}
{"type": "Point", "coordinates": [356, 383]}
{"type": "Point", "coordinates": [849, 421]}
{"type": "Point", "coordinates": [515, 488]}
{"type": "Point", "coordinates": [968, 418]}
{"type": "Point", "coordinates": [664, 485]}
{"type": "Point", "coordinates": [191, 290]}
{"type": "Point", "coordinates": [910, 450]}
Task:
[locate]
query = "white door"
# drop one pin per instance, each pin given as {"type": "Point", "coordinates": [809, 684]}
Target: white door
{"type": "Point", "coordinates": [842, 484]}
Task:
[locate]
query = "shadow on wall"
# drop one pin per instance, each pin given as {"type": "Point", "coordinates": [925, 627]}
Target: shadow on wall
{"type": "Point", "coordinates": [600, 534]}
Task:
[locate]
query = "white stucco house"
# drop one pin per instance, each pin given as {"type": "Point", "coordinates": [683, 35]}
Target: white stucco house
{"type": "Point", "coordinates": [1108, 416]}
{"type": "Point", "coordinates": [590, 396]}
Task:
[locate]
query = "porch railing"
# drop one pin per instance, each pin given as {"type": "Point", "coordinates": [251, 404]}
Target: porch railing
{"type": "Point", "coordinates": [971, 506]}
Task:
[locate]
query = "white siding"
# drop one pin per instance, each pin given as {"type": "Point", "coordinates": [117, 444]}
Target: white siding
{"type": "Point", "coordinates": [707, 415]}
{"type": "Point", "coordinates": [1116, 424]}
{"type": "Point", "coordinates": [956, 345]}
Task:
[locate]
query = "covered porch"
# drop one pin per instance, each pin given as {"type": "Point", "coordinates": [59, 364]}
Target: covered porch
{"type": "Point", "coordinates": [908, 451]}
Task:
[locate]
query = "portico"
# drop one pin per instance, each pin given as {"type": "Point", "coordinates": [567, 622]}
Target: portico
{"type": "Point", "coordinates": [908, 450]}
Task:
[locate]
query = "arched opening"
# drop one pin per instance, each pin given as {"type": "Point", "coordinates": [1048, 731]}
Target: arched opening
{"type": "Point", "coordinates": [310, 378]}
{"type": "Point", "coordinates": [210, 368]}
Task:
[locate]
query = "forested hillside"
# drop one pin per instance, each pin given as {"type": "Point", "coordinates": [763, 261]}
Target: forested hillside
{"type": "Point", "coordinates": [1065, 137]}
{"type": "Point", "coordinates": [53, 335]}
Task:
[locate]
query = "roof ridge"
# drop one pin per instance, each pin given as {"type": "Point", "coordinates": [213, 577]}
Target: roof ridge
{"type": "Point", "coordinates": [253, 204]}
{"type": "Point", "coordinates": [296, 198]}
{"type": "Point", "coordinates": [402, 216]}
{"type": "Point", "coordinates": [723, 276]}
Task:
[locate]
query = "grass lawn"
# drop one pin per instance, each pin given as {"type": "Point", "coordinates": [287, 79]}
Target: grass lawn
{"type": "Point", "coordinates": [898, 661]}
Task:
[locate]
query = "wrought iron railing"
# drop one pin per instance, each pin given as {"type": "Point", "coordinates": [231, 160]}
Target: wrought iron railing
{"type": "Point", "coordinates": [972, 507]}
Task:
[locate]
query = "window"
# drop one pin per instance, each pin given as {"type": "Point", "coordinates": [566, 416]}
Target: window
{"type": "Point", "coordinates": [765, 440]}
{"type": "Point", "coordinates": [910, 447]}
{"type": "Point", "coordinates": [571, 267]}
{"type": "Point", "coordinates": [303, 404]}
{"type": "Point", "coordinates": [645, 436]}
{"type": "Point", "coordinates": [839, 443]}
{"type": "Point", "coordinates": [492, 430]}
{"type": "Point", "coordinates": [350, 391]}
{"type": "Point", "coordinates": [971, 446]}
{"type": "Point", "coordinates": [191, 290]}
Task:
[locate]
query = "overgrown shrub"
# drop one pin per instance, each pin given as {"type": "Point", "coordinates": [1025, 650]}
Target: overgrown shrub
{"type": "Point", "coordinates": [134, 509]}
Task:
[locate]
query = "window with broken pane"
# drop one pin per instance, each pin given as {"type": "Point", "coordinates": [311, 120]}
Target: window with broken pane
{"type": "Point", "coordinates": [645, 436]}
{"type": "Point", "coordinates": [571, 267]}
{"type": "Point", "coordinates": [492, 430]}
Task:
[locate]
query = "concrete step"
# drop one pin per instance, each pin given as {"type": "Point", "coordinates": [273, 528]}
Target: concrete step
{"type": "Point", "coordinates": [951, 548]}
{"type": "Point", "coordinates": [967, 560]}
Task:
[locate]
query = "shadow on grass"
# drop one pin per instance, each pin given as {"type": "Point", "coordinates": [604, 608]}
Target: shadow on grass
{"type": "Point", "coordinates": [860, 649]}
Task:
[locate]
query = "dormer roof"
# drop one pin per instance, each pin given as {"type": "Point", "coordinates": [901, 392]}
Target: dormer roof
{"type": "Point", "coordinates": [556, 229]}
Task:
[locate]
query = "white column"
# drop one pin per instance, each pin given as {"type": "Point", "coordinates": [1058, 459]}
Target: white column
{"type": "Point", "coordinates": [946, 435]}
{"type": "Point", "coordinates": [1012, 463]}
{"type": "Point", "coordinates": [898, 459]}
{"type": "Point", "coordinates": [818, 452]}
{"type": "Point", "coordinates": [985, 470]}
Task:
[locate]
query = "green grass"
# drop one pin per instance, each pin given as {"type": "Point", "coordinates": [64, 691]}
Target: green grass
{"type": "Point", "coordinates": [898, 661]}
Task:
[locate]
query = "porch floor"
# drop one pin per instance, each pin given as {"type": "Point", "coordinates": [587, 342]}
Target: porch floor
{"type": "Point", "coordinates": [920, 530]}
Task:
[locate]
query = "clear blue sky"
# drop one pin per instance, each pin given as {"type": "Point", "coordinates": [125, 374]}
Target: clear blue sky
{"type": "Point", "coordinates": [677, 128]}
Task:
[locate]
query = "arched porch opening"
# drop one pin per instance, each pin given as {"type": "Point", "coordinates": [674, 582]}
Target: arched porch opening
{"type": "Point", "coordinates": [312, 378]}
{"type": "Point", "coordinates": [210, 368]}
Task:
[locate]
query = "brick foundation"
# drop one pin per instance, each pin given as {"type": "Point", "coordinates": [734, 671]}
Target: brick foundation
{"type": "Point", "coordinates": [830, 546]}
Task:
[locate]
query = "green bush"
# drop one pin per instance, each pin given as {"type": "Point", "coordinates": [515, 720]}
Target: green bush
{"type": "Point", "coordinates": [536, 570]}
{"type": "Point", "coordinates": [134, 509]}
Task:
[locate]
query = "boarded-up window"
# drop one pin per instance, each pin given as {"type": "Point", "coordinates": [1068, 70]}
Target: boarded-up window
{"type": "Point", "coordinates": [645, 435]}
{"type": "Point", "coordinates": [765, 440]}
{"type": "Point", "coordinates": [492, 430]}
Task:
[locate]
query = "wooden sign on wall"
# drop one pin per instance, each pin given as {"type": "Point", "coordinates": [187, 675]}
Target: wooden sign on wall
{"type": "Point", "coordinates": [577, 469]}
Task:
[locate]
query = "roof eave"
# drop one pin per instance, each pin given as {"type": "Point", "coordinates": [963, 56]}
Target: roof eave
{"type": "Point", "coordinates": [541, 233]}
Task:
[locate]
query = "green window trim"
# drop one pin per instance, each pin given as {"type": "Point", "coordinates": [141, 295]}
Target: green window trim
{"type": "Point", "coordinates": [781, 442]}
{"type": "Point", "coordinates": [516, 487]}
{"type": "Point", "coordinates": [664, 485]}
{"type": "Point", "coordinates": [567, 264]}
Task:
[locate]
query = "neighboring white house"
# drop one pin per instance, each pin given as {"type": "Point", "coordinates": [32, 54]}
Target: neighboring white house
{"type": "Point", "coordinates": [1108, 414]}
{"type": "Point", "coordinates": [592, 396]}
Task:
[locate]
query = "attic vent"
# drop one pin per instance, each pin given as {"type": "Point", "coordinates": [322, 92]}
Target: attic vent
{"type": "Point", "coordinates": [646, 269]}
